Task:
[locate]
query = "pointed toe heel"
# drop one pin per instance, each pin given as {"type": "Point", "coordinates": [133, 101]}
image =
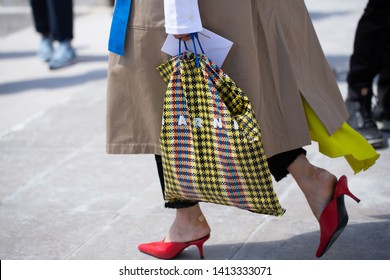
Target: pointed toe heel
{"type": "Point", "coordinates": [334, 217]}
{"type": "Point", "coordinates": [169, 250]}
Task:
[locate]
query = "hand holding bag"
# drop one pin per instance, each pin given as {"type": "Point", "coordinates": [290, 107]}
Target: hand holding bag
{"type": "Point", "coordinates": [210, 140]}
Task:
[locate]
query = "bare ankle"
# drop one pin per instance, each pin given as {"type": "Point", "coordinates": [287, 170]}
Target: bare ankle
{"type": "Point", "coordinates": [189, 224]}
{"type": "Point", "coordinates": [316, 183]}
{"type": "Point", "coordinates": [319, 190]}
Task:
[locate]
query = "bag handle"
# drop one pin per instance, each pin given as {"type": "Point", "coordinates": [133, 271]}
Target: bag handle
{"type": "Point", "coordinates": [185, 45]}
{"type": "Point", "coordinates": [194, 36]}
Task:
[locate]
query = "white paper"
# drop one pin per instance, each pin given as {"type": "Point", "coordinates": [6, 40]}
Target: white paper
{"type": "Point", "coordinates": [215, 47]}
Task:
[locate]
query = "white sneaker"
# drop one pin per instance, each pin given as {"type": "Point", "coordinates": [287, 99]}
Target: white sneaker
{"type": "Point", "coordinates": [45, 50]}
{"type": "Point", "coordinates": [63, 56]}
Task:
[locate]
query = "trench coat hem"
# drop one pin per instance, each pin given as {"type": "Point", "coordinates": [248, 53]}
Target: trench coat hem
{"type": "Point", "coordinates": [133, 149]}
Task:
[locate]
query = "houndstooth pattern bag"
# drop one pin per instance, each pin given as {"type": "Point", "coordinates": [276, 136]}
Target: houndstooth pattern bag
{"type": "Point", "coordinates": [210, 140]}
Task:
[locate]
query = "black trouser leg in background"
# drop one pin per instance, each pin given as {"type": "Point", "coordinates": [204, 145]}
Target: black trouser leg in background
{"type": "Point", "coordinates": [54, 17]}
{"type": "Point", "coordinates": [371, 44]}
{"type": "Point", "coordinates": [40, 16]}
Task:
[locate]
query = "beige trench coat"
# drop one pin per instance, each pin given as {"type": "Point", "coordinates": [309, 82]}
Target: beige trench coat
{"type": "Point", "coordinates": [276, 58]}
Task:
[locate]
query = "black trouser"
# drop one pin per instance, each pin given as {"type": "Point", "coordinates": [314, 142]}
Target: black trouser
{"type": "Point", "coordinates": [53, 18]}
{"type": "Point", "coordinates": [278, 165]}
{"type": "Point", "coordinates": [371, 54]}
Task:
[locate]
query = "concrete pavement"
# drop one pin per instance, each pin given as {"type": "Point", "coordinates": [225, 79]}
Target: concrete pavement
{"type": "Point", "coordinates": [63, 197]}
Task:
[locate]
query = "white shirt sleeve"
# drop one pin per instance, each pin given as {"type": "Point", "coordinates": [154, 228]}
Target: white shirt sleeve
{"type": "Point", "coordinates": [182, 16]}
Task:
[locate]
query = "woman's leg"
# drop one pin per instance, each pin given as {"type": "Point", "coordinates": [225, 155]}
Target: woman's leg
{"type": "Point", "coordinates": [322, 191]}
{"type": "Point", "coordinates": [189, 223]}
{"type": "Point", "coordinates": [317, 184]}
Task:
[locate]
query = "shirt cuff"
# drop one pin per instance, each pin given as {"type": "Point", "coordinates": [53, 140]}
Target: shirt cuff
{"type": "Point", "coordinates": [182, 16]}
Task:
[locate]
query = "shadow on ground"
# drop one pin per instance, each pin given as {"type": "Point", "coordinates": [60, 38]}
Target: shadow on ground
{"type": "Point", "coordinates": [356, 243]}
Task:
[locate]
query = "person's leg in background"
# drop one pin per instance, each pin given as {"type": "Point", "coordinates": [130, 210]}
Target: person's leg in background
{"type": "Point", "coordinates": [42, 26]}
{"type": "Point", "coordinates": [381, 111]}
{"type": "Point", "coordinates": [365, 64]}
{"type": "Point", "coordinates": [61, 19]}
{"type": "Point", "coordinates": [61, 26]}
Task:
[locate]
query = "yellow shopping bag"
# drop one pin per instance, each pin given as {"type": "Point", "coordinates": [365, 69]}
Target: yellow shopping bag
{"type": "Point", "coordinates": [211, 143]}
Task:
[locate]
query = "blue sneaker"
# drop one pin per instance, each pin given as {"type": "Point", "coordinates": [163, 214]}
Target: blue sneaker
{"type": "Point", "coordinates": [63, 56]}
{"type": "Point", "coordinates": [45, 50]}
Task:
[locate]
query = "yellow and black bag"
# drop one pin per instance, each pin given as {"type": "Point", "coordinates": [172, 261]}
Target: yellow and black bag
{"type": "Point", "coordinates": [210, 140]}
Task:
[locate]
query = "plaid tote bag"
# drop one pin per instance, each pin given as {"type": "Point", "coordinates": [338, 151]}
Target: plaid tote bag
{"type": "Point", "coordinates": [211, 143]}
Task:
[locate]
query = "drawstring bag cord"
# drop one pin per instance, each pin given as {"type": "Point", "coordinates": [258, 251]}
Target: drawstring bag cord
{"type": "Point", "coordinates": [194, 36]}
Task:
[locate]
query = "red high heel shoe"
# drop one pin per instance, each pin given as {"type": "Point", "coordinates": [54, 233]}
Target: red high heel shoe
{"type": "Point", "coordinates": [334, 217]}
{"type": "Point", "coordinates": [169, 250]}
